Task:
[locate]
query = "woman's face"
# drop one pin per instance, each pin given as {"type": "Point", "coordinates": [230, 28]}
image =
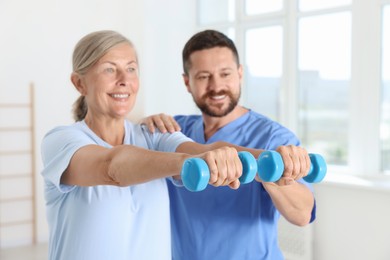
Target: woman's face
{"type": "Point", "coordinates": [111, 85]}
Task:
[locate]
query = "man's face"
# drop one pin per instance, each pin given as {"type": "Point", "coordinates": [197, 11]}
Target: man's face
{"type": "Point", "coordinates": [214, 80]}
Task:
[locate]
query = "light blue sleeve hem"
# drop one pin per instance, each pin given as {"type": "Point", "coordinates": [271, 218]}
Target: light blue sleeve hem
{"type": "Point", "coordinates": [64, 188]}
{"type": "Point", "coordinates": [166, 142]}
{"type": "Point", "coordinates": [176, 182]}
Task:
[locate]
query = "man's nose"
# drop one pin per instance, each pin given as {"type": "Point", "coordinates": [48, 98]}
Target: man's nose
{"type": "Point", "coordinates": [215, 83]}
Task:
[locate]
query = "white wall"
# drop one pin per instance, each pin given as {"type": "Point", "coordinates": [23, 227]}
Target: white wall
{"type": "Point", "coordinates": [352, 221]}
{"type": "Point", "coordinates": [168, 25]}
{"type": "Point", "coordinates": [37, 40]}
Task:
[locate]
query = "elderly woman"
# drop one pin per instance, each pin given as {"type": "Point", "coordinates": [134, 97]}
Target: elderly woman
{"type": "Point", "coordinates": [105, 188]}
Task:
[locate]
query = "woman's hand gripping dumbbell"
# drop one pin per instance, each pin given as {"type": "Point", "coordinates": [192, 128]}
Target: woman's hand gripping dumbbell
{"type": "Point", "coordinates": [195, 173]}
{"type": "Point", "coordinates": [270, 167]}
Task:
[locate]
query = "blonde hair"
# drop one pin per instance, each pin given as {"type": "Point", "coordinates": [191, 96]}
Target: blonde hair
{"type": "Point", "coordinates": [86, 53]}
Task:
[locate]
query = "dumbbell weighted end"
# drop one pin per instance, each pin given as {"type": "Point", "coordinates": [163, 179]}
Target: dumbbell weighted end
{"type": "Point", "coordinates": [270, 167]}
{"type": "Point", "coordinates": [195, 173]}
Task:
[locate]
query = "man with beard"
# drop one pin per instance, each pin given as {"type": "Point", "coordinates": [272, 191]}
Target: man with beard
{"type": "Point", "coordinates": [221, 223]}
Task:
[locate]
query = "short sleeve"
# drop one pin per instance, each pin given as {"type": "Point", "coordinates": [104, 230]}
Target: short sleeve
{"type": "Point", "coordinates": [165, 142]}
{"type": "Point", "coordinates": [58, 147]}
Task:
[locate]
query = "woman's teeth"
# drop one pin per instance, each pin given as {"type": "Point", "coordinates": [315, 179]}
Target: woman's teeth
{"type": "Point", "coordinates": [119, 95]}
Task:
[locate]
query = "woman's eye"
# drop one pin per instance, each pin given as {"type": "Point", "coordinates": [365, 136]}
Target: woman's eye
{"type": "Point", "coordinates": [109, 70]}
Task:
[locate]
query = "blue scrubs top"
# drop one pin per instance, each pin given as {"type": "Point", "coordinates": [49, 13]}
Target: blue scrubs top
{"type": "Point", "coordinates": [221, 223]}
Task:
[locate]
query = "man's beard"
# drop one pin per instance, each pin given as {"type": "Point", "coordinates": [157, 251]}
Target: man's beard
{"type": "Point", "coordinates": [212, 110]}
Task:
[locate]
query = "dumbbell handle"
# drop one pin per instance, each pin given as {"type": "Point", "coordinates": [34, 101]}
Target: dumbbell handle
{"type": "Point", "coordinates": [195, 173]}
{"type": "Point", "coordinates": [270, 167]}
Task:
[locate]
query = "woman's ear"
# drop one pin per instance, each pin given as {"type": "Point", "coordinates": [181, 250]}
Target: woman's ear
{"type": "Point", "coordinates": [78, 83]}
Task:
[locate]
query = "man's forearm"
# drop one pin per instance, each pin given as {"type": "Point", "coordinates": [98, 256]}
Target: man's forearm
{"type": "Point", "coordinates": [295, 201]}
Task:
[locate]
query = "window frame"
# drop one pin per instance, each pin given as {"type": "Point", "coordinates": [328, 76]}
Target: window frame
{"type": "Point", "coordinates": [364, 149]}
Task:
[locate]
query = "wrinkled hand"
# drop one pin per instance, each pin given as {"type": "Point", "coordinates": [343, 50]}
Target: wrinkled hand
{"type": "Point", "coordinates": [296, 162]}
{"type": "Point", "coordinates": [225, 167]}
{"type": "Point", "coordinates": [162, 121]}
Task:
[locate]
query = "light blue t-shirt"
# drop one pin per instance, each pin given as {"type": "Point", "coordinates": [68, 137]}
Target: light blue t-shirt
{"type": "Point", "coordinates": [105, 222]}
{"type": "Point", "coordinates": [221, 223]}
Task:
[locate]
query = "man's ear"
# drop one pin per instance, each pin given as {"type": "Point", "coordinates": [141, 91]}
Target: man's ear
{"type": "Point", "coordinates": [240, 72]}
{"type": "Point", "coordinates": [186, 82]}
{"type": "Point", "coordinates": [78, 83]}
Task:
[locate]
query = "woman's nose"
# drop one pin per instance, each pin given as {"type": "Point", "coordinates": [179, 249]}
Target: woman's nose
{"type": "Point", "coordinates": [123, 78]}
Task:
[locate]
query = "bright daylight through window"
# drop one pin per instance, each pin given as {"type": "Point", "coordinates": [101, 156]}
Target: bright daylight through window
{"type": "Point", "coordinates": [298, 58]}
{"type": "Point", "coordinates": [385, 124]}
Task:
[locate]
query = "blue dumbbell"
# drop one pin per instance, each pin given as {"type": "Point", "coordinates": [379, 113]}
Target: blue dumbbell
{"type": "Point", "coordinates": [195, 173]}
{"type": "Point", "coordinates": [270, 167]}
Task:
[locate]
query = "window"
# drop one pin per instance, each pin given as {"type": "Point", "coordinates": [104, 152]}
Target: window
{"type": "Point", "coordinates": [216, 11]}
{"type": "Point", "coordinates": [310, 5]}
{"type": "Point", "coordinates": [385, 117]}
{"type": "Point", "coordinates": [262, 6]}
{"type": "Point", "coordinates": [263, 68]}
{"type": "Point", "coordinates": [323, 80]}
{"type": "Point", "coordinates": [304, 61]}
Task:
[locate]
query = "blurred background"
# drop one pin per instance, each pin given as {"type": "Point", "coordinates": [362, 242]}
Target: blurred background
{"type": "Point", "coordinates": [320, 67]}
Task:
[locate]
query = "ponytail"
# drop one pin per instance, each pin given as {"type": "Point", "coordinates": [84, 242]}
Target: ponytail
{"type": "Point", "coordinates": [80, 109]}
